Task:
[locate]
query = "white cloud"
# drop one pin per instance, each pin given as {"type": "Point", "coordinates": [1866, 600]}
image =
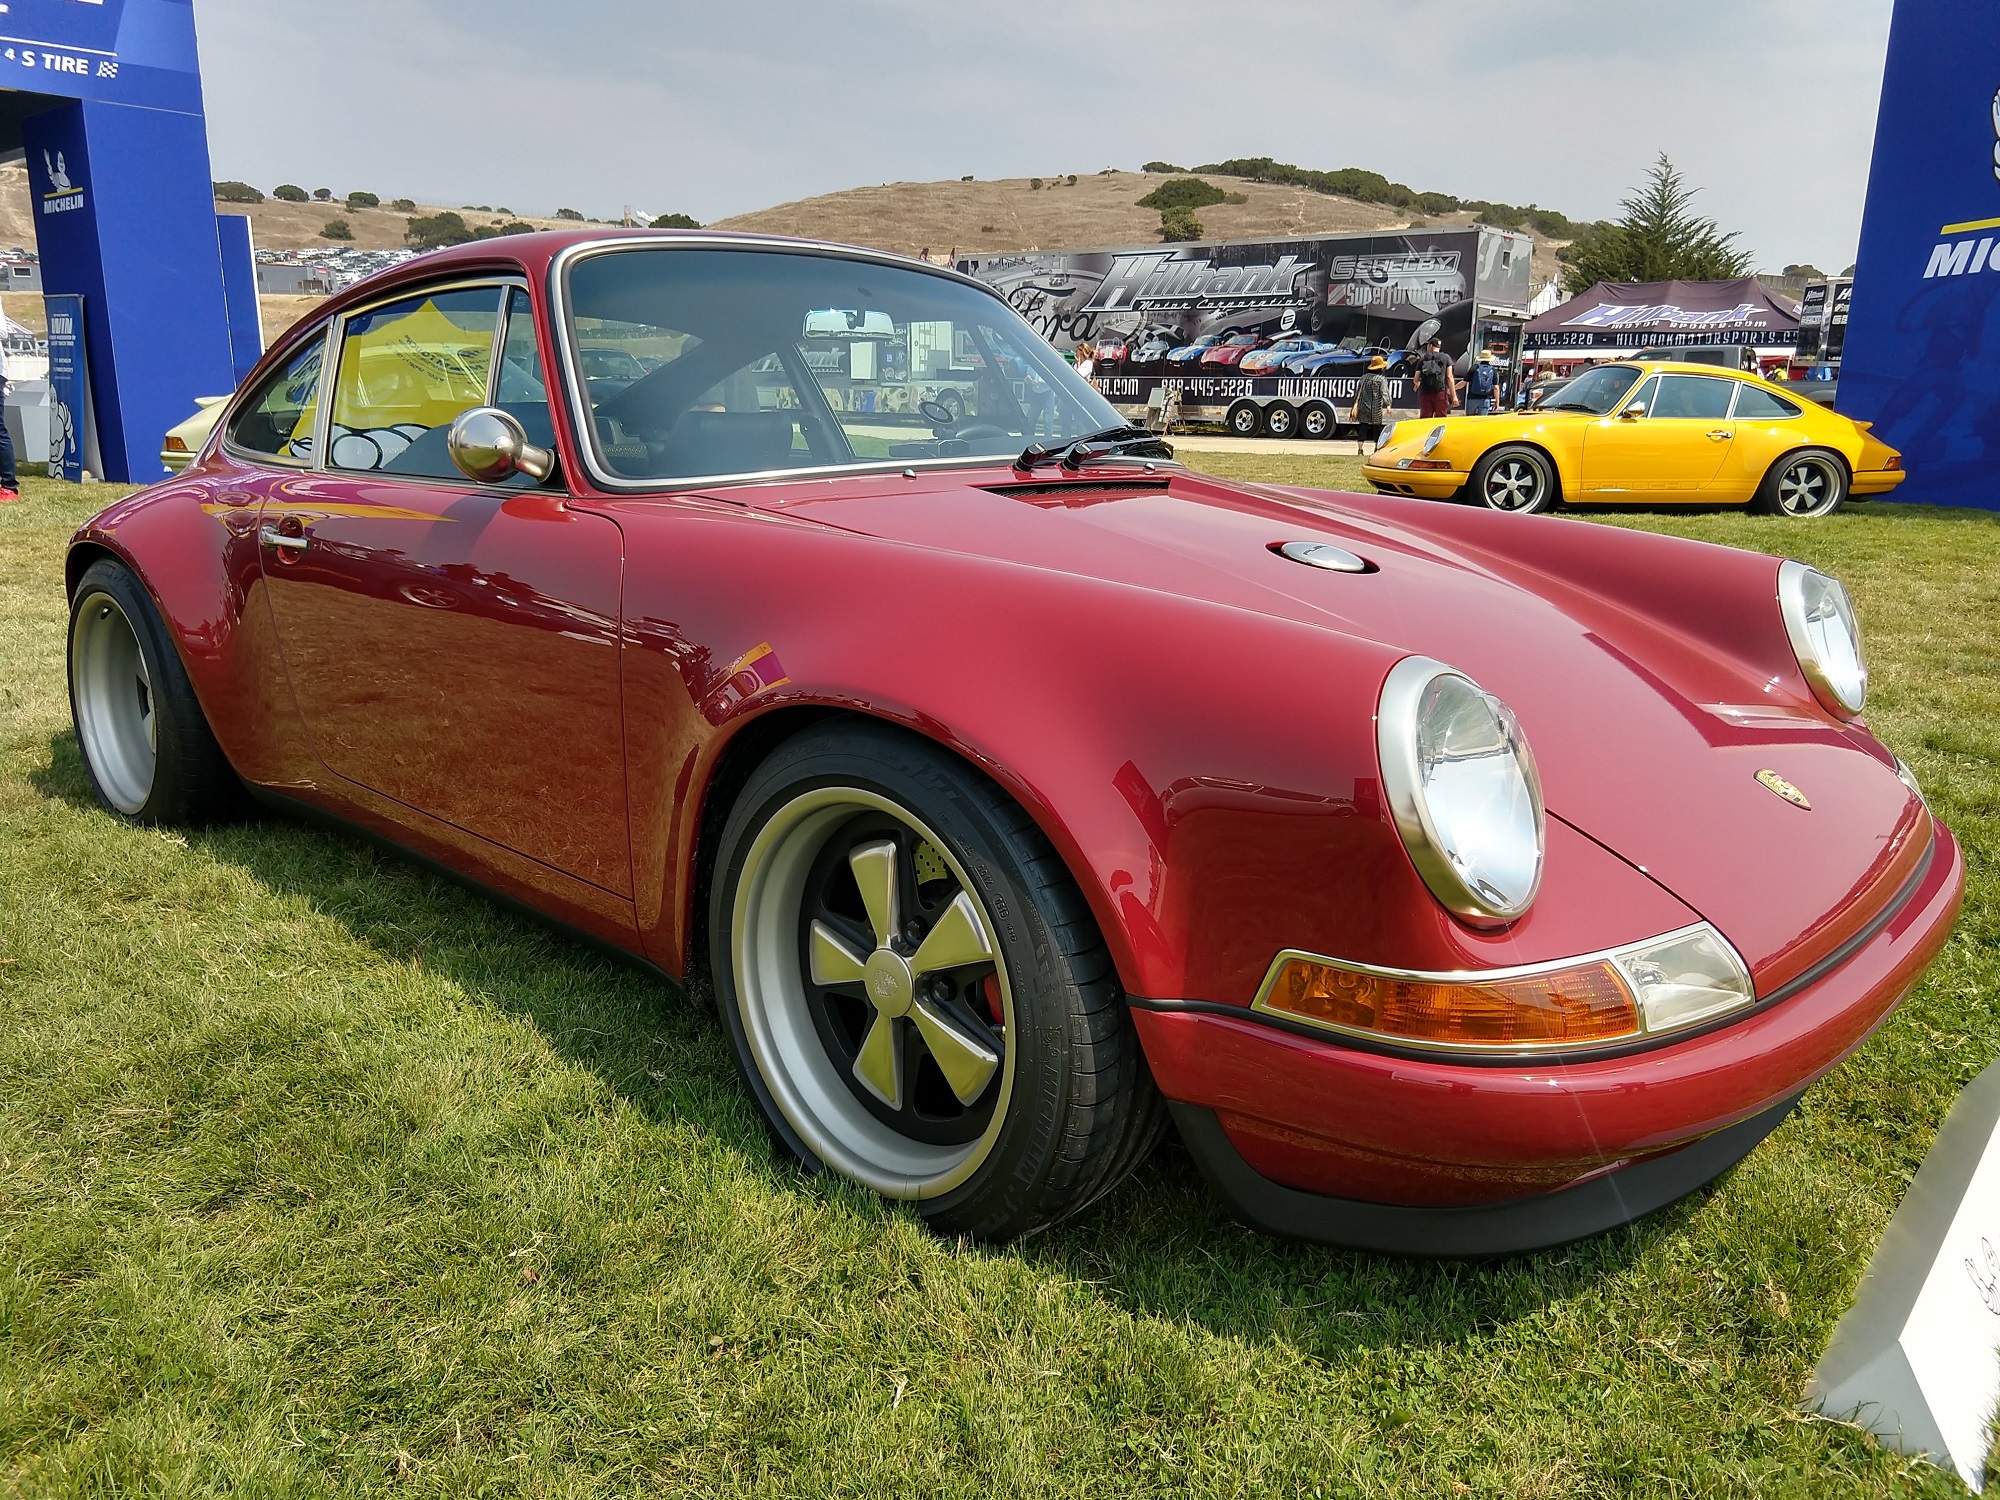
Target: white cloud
{"type": "Point", "coordinates": [716, 109]}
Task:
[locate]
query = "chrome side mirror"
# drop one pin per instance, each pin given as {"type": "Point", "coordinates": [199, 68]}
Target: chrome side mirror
{"type": "Point", "coordinates": [1633, 412]}
{"type": "Point", "coordinates": [491, 446]}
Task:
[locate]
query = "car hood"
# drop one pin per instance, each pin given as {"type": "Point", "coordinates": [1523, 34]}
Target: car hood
{"type": "Point", "coordinates": [1649, 742]}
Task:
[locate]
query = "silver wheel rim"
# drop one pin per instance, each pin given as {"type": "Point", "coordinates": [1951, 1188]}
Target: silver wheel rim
{"type": "Point", "coordinates": [115, 717]}
{"type": "Point", "coordinates": [1513, 484]}
{"type": "Point", "coordinates": [1280, 422]}
{"type": "Point", "coordinates": [805, 1082]}
{"type": "Point", "coordinates": [1315, 423]}
{"type": "Point", "coordinates": [1806, 488]}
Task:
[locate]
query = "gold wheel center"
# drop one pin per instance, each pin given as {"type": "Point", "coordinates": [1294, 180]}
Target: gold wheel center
{"type": "Point", "coordinates": [892, 988]}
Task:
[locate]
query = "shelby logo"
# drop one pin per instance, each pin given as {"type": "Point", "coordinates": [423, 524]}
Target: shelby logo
{"type": "Point", "coordinates": [1985, 1274]}
{"type": "Point", "coordinates": [63, 195]}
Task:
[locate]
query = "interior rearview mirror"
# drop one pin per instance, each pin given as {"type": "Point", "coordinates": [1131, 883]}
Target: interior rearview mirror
{"type": "Point", "coordinates": [491, 446]}
{"type": "Point", "coordinates": [848, 323]}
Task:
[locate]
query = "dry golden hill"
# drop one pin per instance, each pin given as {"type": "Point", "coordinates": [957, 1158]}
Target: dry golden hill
{"type": "Point", "coordinates": [273, 225]}
{"type": "Point", "coordinates": [1099, 209]}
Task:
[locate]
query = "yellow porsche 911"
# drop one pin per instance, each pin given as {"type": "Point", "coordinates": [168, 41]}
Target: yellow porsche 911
{"type": "Point", "coordinates": [1651, 433]}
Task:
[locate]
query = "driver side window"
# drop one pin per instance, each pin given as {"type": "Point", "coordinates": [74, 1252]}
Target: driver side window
{"type": "Point", "coordinates": [407, 370]}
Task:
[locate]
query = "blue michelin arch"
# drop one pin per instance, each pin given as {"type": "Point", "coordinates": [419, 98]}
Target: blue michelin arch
{"type": "Point", "coordinates": [104, 100]}
{"type": "Point", "coordinates": [1922, 358]}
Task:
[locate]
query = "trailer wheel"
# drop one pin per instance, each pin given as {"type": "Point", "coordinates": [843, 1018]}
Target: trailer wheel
{"type": "Point", "coordinates": [1316, 420]}
{"type": "Point", "coordinates": [1245, 418]}
{"type": "Point", "coordinates": [1280, 420]}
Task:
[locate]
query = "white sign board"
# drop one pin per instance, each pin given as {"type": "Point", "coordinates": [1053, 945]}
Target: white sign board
{"type": "Point", "coordinates": [1917, 1358]}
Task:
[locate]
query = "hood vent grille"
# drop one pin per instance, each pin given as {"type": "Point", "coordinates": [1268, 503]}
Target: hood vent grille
{"type": "Point", "coordinates": [1057, 488]}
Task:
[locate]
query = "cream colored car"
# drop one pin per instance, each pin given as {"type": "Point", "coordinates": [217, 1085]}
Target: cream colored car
{"type": "Point", "coordinates": [188, 439]}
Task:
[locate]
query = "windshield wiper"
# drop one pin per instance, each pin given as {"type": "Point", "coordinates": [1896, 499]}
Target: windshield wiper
{"type": "Point", "coordinates": [1073, 455]}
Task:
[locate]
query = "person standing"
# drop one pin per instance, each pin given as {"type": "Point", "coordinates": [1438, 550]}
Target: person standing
{"type": "Point", "coordinates": [1371, 405]}
{"type": "Point", "coordinates": [1481, 386]}
{"type": "Point", "coordinates": [10, 481]}
{"type": "Point", "coordinates": [1436, 384]}
{"type": "Point", "coordinates": [1086, 361]}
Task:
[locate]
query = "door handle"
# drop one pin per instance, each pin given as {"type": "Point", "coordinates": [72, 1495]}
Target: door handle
{"type": "Point", "coordinates": [270, 536]}
{"type": "Point", "coordinates": [1719, 435]}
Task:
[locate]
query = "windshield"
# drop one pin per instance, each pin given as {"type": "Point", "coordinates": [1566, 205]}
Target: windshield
{"type": "Point", "coordinates": [704, 363]}
{"type": "Point", "coordinates": [1596, 391]}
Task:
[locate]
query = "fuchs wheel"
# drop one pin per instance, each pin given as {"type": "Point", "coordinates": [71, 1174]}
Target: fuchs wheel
{"type": "Point", "coordinates": [1515, 478]}
{"type": "Point", "coordinates": [1280, 419]}
{"type": "Point", "coordinates": [1804, 485]}
{"type": "Point", "coordinates": [147, 749]}
{"type": "Point", "coordinates": [1244, 419]}
{"type": "Point", "coordinates": [915, 989]}
{"type": "Point", "coordinates": [1316, 420]}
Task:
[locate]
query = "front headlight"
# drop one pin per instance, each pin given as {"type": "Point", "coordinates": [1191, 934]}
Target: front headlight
{"type": "Point", "coordinates": [1819, 618]}
{"type": "Point", "coordinates": [1388, 436]}
{"type": "Point", "coordinates": [1462, 786]}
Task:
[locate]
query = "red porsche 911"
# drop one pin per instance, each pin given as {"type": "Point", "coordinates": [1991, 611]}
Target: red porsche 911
{"type": "Point", "coordinates": [1456, 883]}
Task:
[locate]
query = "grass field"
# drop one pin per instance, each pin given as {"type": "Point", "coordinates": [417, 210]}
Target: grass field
{"type": "Point", "coordinates": [321, 1176]}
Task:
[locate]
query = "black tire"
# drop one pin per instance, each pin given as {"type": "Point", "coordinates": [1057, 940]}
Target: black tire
{"type": "Point", "coordinates": [1066, 1108]}
{"type": "Point", "coordinates": [1245, 419]}
{"type": "Point", "coordinates": [1280, 420]}
{"type": "Point", "coordinates": [148, 752]}
{"type": "Point", "coordinates": [1316, 420]}
{"type": "Point", "coordinates": [1514, 478]}
{"type": "Point", "coordinates": [1805, 485]}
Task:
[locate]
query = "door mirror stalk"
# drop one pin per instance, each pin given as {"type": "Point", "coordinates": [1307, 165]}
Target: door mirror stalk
{"type": "Point", "coordinates": [490, 446]}
{"type": "Point", "coordinates": [1633, 412]}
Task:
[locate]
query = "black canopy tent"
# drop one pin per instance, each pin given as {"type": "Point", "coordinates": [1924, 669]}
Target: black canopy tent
{"type": "Point", "coordinates": [1616, 316]}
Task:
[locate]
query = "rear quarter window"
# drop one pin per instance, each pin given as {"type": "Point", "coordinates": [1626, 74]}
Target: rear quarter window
{"type": "Point", "coordinates": [1755, 403]}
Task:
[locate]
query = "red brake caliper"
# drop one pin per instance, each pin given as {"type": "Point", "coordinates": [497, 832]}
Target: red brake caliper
{"type": "Point", "coordinates": [990, 988]}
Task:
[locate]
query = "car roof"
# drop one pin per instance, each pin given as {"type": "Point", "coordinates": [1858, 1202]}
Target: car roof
{"type": "Point", "coordinates": [1676, 367]}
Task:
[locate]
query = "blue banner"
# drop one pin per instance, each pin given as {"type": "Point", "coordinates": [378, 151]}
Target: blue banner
{"type": "Point", "coordinates": [121, 51]}
{"type": "Point", "coordinates": [69, 390]}
{"type": "Point", "coordinates": [1922, 356]}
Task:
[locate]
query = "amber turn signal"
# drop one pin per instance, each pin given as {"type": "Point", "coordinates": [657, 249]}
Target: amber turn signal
{"type": "Point", "coordinates": [1587, 1002]}
{"type": "Point", "coordinates": [175, 445]}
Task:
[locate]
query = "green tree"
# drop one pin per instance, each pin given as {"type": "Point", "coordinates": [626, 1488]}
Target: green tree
{"type": "Point", "coordinates": [323, 194]}
{"type": "Point", "coordinates": [336, 229]}
{"type": "Point", "coordinates": [1806, 272]}
{"type": "Point", "coordinates": [404, 206]}
{"type": "Point", "coordinates": [1178, 225]}
{"type": "Point", "coordinates": [676, 221]}
{"type": "Point", "coordinates": [495, 231]}
{"type": "Point", "coordinates": [362, 200]}
{"type": "Point", "coordinates": [569, 213]}
{"type": "Point", "coordinates": [290, 192]}
{"type": "Point", "coordinates": [1183, 192]}
{"type": "Point", "coordinates": [1661, 238]}
{"type": "Point", "coordinates": [1162, 166]}
{"type": "Point", "coordinates": [237, 192]}
{"type": "Point", "coordinates": [435, 231]}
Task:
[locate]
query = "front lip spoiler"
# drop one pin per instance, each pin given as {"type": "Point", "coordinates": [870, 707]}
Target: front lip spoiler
{"type": "Point", "coordinates": [1483, 1231]}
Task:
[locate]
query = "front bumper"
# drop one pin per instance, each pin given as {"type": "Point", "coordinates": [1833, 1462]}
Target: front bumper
{"type": "Point", "coordinates": [1371, 1140]}
{"type": "Point", "coordinates": [1425, 484]}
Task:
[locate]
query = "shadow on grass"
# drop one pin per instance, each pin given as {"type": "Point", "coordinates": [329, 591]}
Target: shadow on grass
{"type": "Point", "coordinates": [1160, 1246]}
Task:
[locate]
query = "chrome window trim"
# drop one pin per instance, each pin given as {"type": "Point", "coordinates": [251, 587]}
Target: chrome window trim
{"type": "Point", "coordinates": [585, 431]}
{"type": "Point", "coordinates": [1663, 376]}
{"type": "Point", "coordinates": [1396, 746]}
{"type": "Point", "coordinates": [1262, 1006]}
{"type": "Point", "coordinates": [222, 436]}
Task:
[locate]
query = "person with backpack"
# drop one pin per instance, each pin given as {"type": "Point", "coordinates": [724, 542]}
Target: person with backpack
{"type": "Point", "coordinates": [1481, 386]}
{"type": "Point", "coordinates": [1437, 385]}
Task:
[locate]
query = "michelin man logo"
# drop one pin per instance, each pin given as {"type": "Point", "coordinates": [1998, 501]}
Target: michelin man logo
{"type": "Point", "coordinates": [1996, 135]}
{"type": "Point", "coordinates": [59, 168]}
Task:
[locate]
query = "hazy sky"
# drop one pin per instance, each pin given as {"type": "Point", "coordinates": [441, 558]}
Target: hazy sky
{"type": "Point", "coordinates": [1768, 105]}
